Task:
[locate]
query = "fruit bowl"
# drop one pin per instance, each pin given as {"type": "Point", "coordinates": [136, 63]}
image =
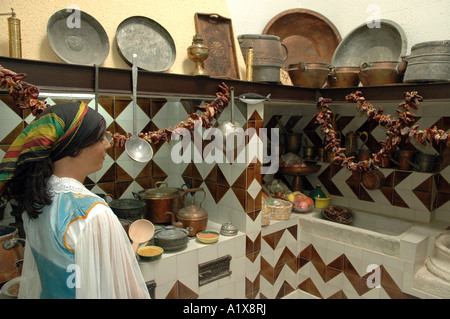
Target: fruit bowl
{"type": "Point", "coordinates": [302, 210]}
{"type": "Point", "coordinates": [300, 202]}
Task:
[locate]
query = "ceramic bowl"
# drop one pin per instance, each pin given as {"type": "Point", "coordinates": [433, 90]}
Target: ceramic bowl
{"type": "Point", "coordinates": [207, 237]}
{"type": "Point", "coordinates": [150, 253]}
{"type": "Point", "coordinates": [321, 202]}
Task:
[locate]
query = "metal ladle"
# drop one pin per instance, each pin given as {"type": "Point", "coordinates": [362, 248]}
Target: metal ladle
{"type": "Point", "coordinates": [229, 127]}
{"type": "Point", "coordinates": [137, 148]}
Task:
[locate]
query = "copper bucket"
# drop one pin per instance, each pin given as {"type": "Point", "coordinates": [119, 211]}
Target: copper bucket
{"type": "Point", "coordinates": [310, 75]}
{"type": "Point", "coordinates": [381, 73]}
{"type": "Point", "coordinates": [345, 76]}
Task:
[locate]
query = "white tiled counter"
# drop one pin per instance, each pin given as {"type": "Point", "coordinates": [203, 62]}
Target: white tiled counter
{"type": "Point", "coordinates": [301, 263]}
{"type": "Point", "coordinates": [176, 274]}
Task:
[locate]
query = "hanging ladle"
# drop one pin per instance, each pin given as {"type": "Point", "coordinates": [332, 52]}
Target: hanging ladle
{"type": "Point", "coordinates": [141, 231]}
{"type": "Point", "coordinates": [228, 128]}
{"type": "Point", "coordinates": [137, 148]}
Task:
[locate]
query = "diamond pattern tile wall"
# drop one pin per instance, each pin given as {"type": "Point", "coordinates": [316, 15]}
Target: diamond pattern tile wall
{"type": "Point", "coordinates": [425, 197]}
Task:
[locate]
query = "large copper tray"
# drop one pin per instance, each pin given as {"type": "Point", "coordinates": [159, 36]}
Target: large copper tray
{"type": "Point", "coordinates": [217, 33]}
{"type": "Point", "coordinates": [308, 35]}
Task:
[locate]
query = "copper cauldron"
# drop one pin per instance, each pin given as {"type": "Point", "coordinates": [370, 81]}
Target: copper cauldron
{"type": "Point", "coordinates": [310, 75]}
{"type": "Point", "coordinates": [11, 253]}
{"type": "Point", "coordinates": [344, 76]}
{"type": "Point", "coordinates": [194, 218]}
{"type": "Point", "coordinates": [160, 200]}
{"type": "Point", "coordinates": [381, 73]}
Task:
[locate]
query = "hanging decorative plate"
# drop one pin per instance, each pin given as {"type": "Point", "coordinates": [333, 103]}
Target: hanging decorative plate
{"type": "Point", "coordinates": [151, 42]}
{"type": "Point", "coordinates": [77, 38]}
{"type": "Point", "coordinates": [308, 35]}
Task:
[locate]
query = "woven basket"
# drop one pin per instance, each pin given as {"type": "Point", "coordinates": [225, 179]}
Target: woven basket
{"type": "Point", "coordinates": [281, 211]}
{"type": "Point", "coordinates": [265, 218]}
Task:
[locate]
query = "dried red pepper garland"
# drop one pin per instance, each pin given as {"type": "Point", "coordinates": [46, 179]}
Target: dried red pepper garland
{"type": "Point", "coordinates": [209, 111]}
{"type": "Point", "coordinates": [396, 128]}
{"type": "Point", "coordinates": [26, 96]}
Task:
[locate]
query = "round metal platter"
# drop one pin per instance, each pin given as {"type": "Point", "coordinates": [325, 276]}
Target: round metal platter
{"type": "Point", "coordinates": [152, 43]}
{"type": "Point", "coordinates": [77, 38]}
{"type": "Point", "coordinates": [371, 43]}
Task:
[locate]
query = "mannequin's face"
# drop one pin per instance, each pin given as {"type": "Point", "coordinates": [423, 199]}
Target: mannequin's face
{"type": "Point", "coordinates": [91, 158]}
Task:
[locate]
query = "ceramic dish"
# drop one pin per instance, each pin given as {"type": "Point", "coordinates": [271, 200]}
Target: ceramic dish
{"type": "Point", "coordinates": [207, 237]}
{"type": "Point", "coordinates": [365, 44]}
{"type": "Point", "coordinates": [151, 42]}
{"type": "Point", "coordinates": [86, 43]}
{"type": "Point", "coordinates": [150, 253]}
{"type": "Point", "coordinates": [11, 287]}
{"type": "Point", "coordinates": [309, 36]}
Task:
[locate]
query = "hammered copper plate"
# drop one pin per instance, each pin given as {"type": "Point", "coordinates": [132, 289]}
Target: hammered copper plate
{"type": "Point", "coordinates": [217, 33]}
{"type": "Point", "coordinates": [151, 42]}
{"type": "Point", "coordinates": [308, 35]}
{"type": "Point", "coordinates": [85, 43]}
{"type": "Point", "coordinates": [367, 43]}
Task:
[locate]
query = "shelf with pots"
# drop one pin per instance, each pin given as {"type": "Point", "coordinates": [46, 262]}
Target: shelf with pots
{"type": "Point", "coordinates": [51, 76]}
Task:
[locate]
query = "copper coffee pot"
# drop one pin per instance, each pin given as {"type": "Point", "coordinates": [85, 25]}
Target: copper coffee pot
{"type": "Point", "coordinates": [194, 218]}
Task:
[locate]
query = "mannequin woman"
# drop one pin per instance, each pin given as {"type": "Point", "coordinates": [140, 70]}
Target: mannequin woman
{"type": "Point", "coordinates": [76, 246]}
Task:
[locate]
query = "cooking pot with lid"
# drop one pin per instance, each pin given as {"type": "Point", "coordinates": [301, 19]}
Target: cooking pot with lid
{"type": "Point", "coordinates": [160, 200]}
{"type": "Point", "coordinates": [171, 238]}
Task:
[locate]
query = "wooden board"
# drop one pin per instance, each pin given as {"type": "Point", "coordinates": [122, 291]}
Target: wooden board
{"type": "Point", "coordinates": [217, 33]}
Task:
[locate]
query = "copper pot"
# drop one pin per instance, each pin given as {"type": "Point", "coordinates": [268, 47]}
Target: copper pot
{"type": "Point", "coordinates": [160, 200]}
{"type": "Point", "coordinates": [372, 179]}
{"type": "Point", "coordinates": [310, 75]}
{"type": "Point", "coordinates": [381, 73]}
{"type": "Point", "coordinates": [293, 142]}
{"type": "Point", "coordinates": [344, 76]}
{"type": "Point", "coordinates": [194, 218]}
{"type": "Point", "coordinates": [11, 253]}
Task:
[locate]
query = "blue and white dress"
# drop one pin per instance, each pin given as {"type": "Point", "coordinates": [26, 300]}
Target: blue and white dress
{"type": "Point", "coordinates": [77, 248]}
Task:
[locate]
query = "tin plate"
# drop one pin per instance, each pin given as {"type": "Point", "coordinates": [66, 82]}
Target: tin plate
{"type": "Point", "coordinates": [371, 43]}
{"type": "Point", "coordinates": [151, 42]}
{"type": "Point", "coordinates": [85, 43]}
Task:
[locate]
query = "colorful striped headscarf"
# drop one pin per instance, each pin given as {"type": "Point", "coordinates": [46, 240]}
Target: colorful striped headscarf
{"type": "Point", "coordinates": [55, 133]}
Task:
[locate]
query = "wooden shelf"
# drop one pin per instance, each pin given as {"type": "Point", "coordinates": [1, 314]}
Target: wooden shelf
{"type": "Point", "coordinates": [50, 76]}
